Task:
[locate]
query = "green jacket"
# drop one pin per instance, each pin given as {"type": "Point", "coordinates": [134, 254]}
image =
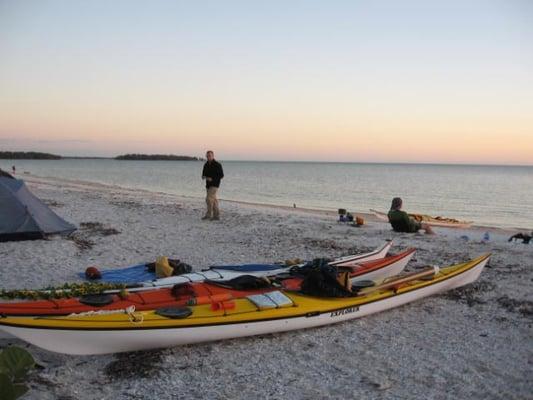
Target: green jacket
{"type": "Point", "coordinates": [402, 222]}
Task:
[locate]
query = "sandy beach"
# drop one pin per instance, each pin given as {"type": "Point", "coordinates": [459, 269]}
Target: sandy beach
{"type": "Point", "coordinates": [475, 342]}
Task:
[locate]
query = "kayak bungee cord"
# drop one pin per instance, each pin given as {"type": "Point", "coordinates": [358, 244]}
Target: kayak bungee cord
{"type": "Point", "coordinates": [136, 318]}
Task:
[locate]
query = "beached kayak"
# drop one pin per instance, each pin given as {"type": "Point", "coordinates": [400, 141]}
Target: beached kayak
{"type": "Point", "coordinates": [275, 311]}
{"type": "Point", "coordinates": [433, 221]}
{"type": "Point", "coordinates": [199, 292]}
{"type": "Point", "coordinates": [135, 274]}
{"type": "Point", "coordinates": [228, 272]}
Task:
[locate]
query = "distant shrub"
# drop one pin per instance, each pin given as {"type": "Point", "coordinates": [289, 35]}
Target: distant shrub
{"type": "Point", "coordinates": [27, 155]}
{"type": "Point", "coordinates": [163, 157]}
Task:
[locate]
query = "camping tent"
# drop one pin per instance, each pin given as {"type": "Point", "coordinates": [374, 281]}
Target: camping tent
{"type": "Point", "coordinates": [5, 174]}
{"type": "Point", "coordinates": [23, 216]}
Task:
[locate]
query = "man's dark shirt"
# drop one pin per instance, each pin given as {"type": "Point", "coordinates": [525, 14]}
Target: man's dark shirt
{"type": "Point", "coordinates": [214, 171]}
{"type": "Point", "coordinates": [402, 222]}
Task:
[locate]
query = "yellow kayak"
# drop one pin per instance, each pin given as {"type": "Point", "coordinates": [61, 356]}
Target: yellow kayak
{"type": "Point", "coordinates": [276, 311]}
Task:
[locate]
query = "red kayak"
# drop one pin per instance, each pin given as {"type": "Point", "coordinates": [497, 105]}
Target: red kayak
{"type": "Point", "coordinates": [190, 293]}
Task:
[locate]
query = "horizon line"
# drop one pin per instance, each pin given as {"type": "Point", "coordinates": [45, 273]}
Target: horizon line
{"type": "Point", "coordinates": [309, 161]}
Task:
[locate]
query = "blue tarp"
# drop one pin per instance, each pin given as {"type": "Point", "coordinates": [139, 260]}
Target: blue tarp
{"type": "Point", "coordinates": [133, 274]}
{"type": "Point", "coordinates": [139, 273]}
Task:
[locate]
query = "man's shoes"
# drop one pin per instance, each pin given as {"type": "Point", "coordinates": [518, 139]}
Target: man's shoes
{"type": "Point", "coordinates": [206, 217]}
{"type": "Point", "coordinates": [217, 218]}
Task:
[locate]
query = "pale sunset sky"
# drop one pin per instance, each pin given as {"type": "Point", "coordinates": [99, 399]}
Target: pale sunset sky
{"type": "Point", "coordinates": [378, 81]}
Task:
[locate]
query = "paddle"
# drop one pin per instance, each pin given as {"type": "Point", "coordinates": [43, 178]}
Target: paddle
{"type": "Point", "coordinates": [399, 280]}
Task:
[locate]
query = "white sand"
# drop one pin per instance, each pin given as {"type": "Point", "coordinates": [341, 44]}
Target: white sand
{"type": "Point", "coordinates": [476, 343]}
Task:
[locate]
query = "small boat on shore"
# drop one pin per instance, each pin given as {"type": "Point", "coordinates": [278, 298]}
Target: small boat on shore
{"type": "Point", "coordinates": [427, 219]}
{"type": "Point", "coordinates": [269, 312]}
{"type": "Point", "coordinates": [227, 272]}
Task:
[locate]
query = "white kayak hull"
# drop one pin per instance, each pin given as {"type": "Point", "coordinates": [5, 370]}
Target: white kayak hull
{"type": "Point", "coordinates": [388, 271]}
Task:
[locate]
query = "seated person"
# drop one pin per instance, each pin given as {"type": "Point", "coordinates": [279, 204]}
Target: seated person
{"type": "Point", "coordinates": [402, 222]}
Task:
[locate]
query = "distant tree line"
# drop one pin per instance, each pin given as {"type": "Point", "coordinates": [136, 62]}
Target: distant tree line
{"type": "Point", "coordinates": [164, 157]}
{"type": "Point", "coordinates": [27, 155]}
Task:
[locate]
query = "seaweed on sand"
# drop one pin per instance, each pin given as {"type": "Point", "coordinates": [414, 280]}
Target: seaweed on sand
{"type": "Point", "coordinates": [470, 294]}
{"type": "Point", "coordinates": [137, 364]}
{"type": "Point", "coordinates": [98, 228]}
{"type": "Point", "coordinates": [524, 307]}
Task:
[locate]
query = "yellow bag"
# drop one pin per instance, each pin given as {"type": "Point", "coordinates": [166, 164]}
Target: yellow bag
{"type": "Point", "coordinates": [344, 280]}
{"type": "Point", "coordinates": [163, 268]}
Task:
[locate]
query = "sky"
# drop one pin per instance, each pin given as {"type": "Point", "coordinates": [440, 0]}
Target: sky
{"type": "Point", "coordinates": [362, 81]}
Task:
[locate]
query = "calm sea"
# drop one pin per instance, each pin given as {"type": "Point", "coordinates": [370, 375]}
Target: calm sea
{"type": "Point", "coordinates": [492, 195]}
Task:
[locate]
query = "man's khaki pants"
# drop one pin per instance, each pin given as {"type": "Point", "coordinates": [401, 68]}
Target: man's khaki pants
{"type": "Point", "coordinates": [212, 203]}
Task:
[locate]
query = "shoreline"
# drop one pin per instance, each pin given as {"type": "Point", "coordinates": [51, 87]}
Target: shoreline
{"type": "Point", "coordinates": [368, 216]}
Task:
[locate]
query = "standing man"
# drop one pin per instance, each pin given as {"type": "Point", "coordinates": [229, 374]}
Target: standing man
{"type": "Point", "coordinates": [212, 173]}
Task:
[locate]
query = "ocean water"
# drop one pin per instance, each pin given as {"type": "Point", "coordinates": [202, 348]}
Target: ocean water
{"type": "Point", "coordinates": [488, 195]}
